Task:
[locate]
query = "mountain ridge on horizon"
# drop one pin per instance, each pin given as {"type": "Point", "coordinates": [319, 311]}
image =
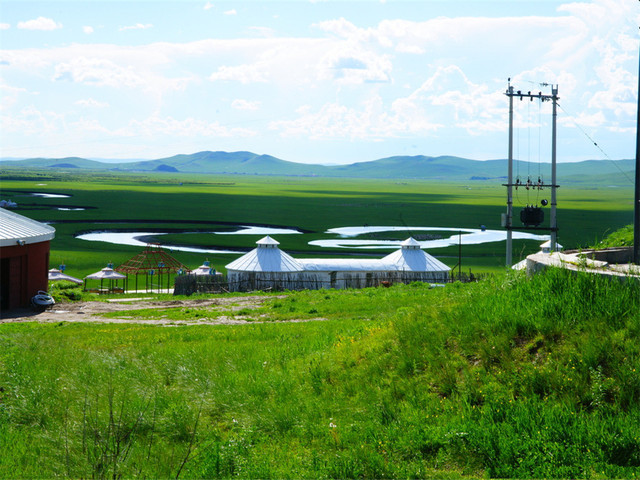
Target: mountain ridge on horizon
{"type": "Point", "coordinates": [399, 166]}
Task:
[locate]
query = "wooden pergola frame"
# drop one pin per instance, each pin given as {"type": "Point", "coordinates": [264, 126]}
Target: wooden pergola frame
{"type": "Point", "coordinates": [153, 261]}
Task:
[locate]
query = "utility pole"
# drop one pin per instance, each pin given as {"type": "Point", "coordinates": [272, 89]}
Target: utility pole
{"type": "Point", "coordinates": [509, 219]}
{"type": "Point", "coordinates": [508, 223]}
{"type": "Point", "coordinates": [636, 216]}
{"type": "Point", "coordinates": [553, 224]}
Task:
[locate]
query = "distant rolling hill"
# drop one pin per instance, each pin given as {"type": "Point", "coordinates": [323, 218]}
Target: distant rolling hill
{"type": "Point", "coordinates": [417, 167]}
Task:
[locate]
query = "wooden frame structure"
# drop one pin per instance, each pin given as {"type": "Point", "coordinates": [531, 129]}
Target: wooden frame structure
{"type": "Point", "coordinates": [155, 263]}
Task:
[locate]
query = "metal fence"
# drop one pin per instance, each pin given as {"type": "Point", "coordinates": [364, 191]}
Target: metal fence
{"type": "Point", "coordinates": [264, 281]}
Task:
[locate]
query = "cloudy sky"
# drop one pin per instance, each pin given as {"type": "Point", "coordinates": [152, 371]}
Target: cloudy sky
{"type": "Point", "coordinates": [316, 81]}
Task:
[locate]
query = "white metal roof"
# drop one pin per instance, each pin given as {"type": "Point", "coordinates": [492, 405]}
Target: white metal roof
{"type": "Point", "coordinates": [547, 244]}
{"type": "Point", "coordinates": [106, 274]}
{"type": "Point", "coordinates": [205, 270]}
{"type": "Point", "coordinates": [413, 259]}
{"type": "Point", "coordinates": [55, 274]}
{"type": "Point", "coordinates": [269, 258]}
{"type": "Point", "coordinates": [410, 243]}
{"type": "Point", "coordinates": [266, 258]}
{"type": "Point", "coordinates": [15, 229]}
{"type": "Point", "coordinates": [267, 241]}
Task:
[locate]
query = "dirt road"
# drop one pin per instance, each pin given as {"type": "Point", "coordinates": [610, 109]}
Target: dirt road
{"type": "Point", "coordinates": [95, 311]}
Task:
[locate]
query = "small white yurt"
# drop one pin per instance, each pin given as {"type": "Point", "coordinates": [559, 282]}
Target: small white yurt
{"type": "Point", "coordinates": [205, 269]}
{"type": "Point", "coordinates": [110, 275]}
{"type": "Point", "coordinates": [544, 248]}
{"type": "Point", "coordinates": [263, 268]}
{"type": "Point", "coordinates": [56, 275]}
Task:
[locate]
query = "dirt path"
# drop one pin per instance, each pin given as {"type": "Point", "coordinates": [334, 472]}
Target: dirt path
{"type": "Point", "coordinates": [94, 311]}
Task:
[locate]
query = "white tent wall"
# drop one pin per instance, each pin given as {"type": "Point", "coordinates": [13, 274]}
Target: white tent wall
{"type": "Point", "coordinates": [249, 281]}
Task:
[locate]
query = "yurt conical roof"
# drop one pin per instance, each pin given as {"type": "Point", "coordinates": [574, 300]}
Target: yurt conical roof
{"type": "Point", "coordinates": [266, 258]}
{"type": "Point", "coordinates": [153, 257]}
{"type": "Point", "coordinates": [106, 274]}
{"type": "Point", "coordinates": [55, 274]}
{"type": "Point", "coordinates": [412, 258]}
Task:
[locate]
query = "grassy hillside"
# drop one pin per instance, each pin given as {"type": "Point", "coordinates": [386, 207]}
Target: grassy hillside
{"type": "Point", "coordinates": [513, 377]}
{"type": "Point", "coordinates": [443, 168]}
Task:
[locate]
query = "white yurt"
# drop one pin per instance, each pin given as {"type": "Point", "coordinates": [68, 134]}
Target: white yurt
{"type": "Point", "coordinates": [544, 248]}
{"type": "Point", "coordinates": [263, 268]}
{"type": "Point", "coordinates": [414, 264]}
{"type": "Point", "coordinates": [205, 269]}
{"type": "Point", "coordinates": [56, 275]}
{"type": "Point", "coordinates": [110, 275]}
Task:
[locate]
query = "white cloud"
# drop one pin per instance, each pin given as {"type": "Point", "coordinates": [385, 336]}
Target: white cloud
{"type": "Point", "coordinates": [355, 66]}
{"type": "Point", "coordinates": [584, 121]}
{"type": "Point", "coordinates": [340, 27]}
{"type": "Point", "coordinates": [407, 48]}
{"type": "Point", "coordinates": [157, 126]}
{"type": "Point", "coordinates": [87, 29]}
{"type": "Point", "coordinates": [241, 73]}
{"type": "Point", "coordinates": [40, 23]}
{"type": "Point", "coordinates": [240, 104]}
{"type": "Point", "coordinates": [31, 121]}
{"type": "Point", "coordinates": [231, 12]}
{"type": "Point", "coordinates": [85, 127]}
{"type": "Point", "coordinates": [9, 95]}
{"type": "Point", "coordinates": [137, 26]}
{"type": "Point", "coordinates": [369, 121]}
{"type": "Point", "coordinates": [98, 72]}
{"type": "Point", "coordinates": [452, 97]}
{"type": "Point", "coordinates": [4, 26]}
{"type": "Point", "coordinates": [91, 103]}
{"type": "Point", "coordinates": [397, 79]}
{"type": "Point", "coordinates": [265, 32]}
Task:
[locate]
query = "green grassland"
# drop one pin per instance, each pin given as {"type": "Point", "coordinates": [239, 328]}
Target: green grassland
{"type": "Point", "coordinates": [176, 202]}
{"type": "Point", "coordinates": [512, 377]}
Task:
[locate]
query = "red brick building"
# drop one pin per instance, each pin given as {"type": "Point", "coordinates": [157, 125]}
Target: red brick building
{"type": "Point", "coordinates": [24, 258]}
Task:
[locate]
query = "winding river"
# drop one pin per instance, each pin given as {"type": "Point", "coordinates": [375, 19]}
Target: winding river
{"type": "Point", "coordinates": [465, 236]}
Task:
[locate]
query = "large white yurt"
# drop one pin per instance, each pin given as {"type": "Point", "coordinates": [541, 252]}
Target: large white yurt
{"type": "Point", "coordinates": [412, 264]}
{"type": "Point", "coordinates": [263, 268]}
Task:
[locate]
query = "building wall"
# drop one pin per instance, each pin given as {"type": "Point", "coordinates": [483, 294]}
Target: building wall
{"type": "Point", "coordinates": [247, 281]}
{"type": "Point", "coordinates": [23, 272]}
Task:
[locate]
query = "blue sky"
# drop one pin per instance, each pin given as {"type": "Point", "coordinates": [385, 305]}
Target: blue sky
{"type": "Point", "coordinates": [316, 81]}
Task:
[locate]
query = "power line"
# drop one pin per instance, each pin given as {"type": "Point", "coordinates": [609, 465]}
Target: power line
{"type": "Point", "coordinates": [596, 144]}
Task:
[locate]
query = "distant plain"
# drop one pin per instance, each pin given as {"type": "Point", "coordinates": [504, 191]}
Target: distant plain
{"type": "Point", "coordinates": [176, 203]}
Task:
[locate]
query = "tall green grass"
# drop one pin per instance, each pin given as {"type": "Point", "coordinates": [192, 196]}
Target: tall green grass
{"type": "Point", "coordinates": [511, 377]}
{"type": "Point", "coordinates": [619, 238]}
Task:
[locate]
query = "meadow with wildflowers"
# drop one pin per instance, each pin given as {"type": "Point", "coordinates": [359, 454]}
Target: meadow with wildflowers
{"type": "Point", "coordinates": [510, 377]}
